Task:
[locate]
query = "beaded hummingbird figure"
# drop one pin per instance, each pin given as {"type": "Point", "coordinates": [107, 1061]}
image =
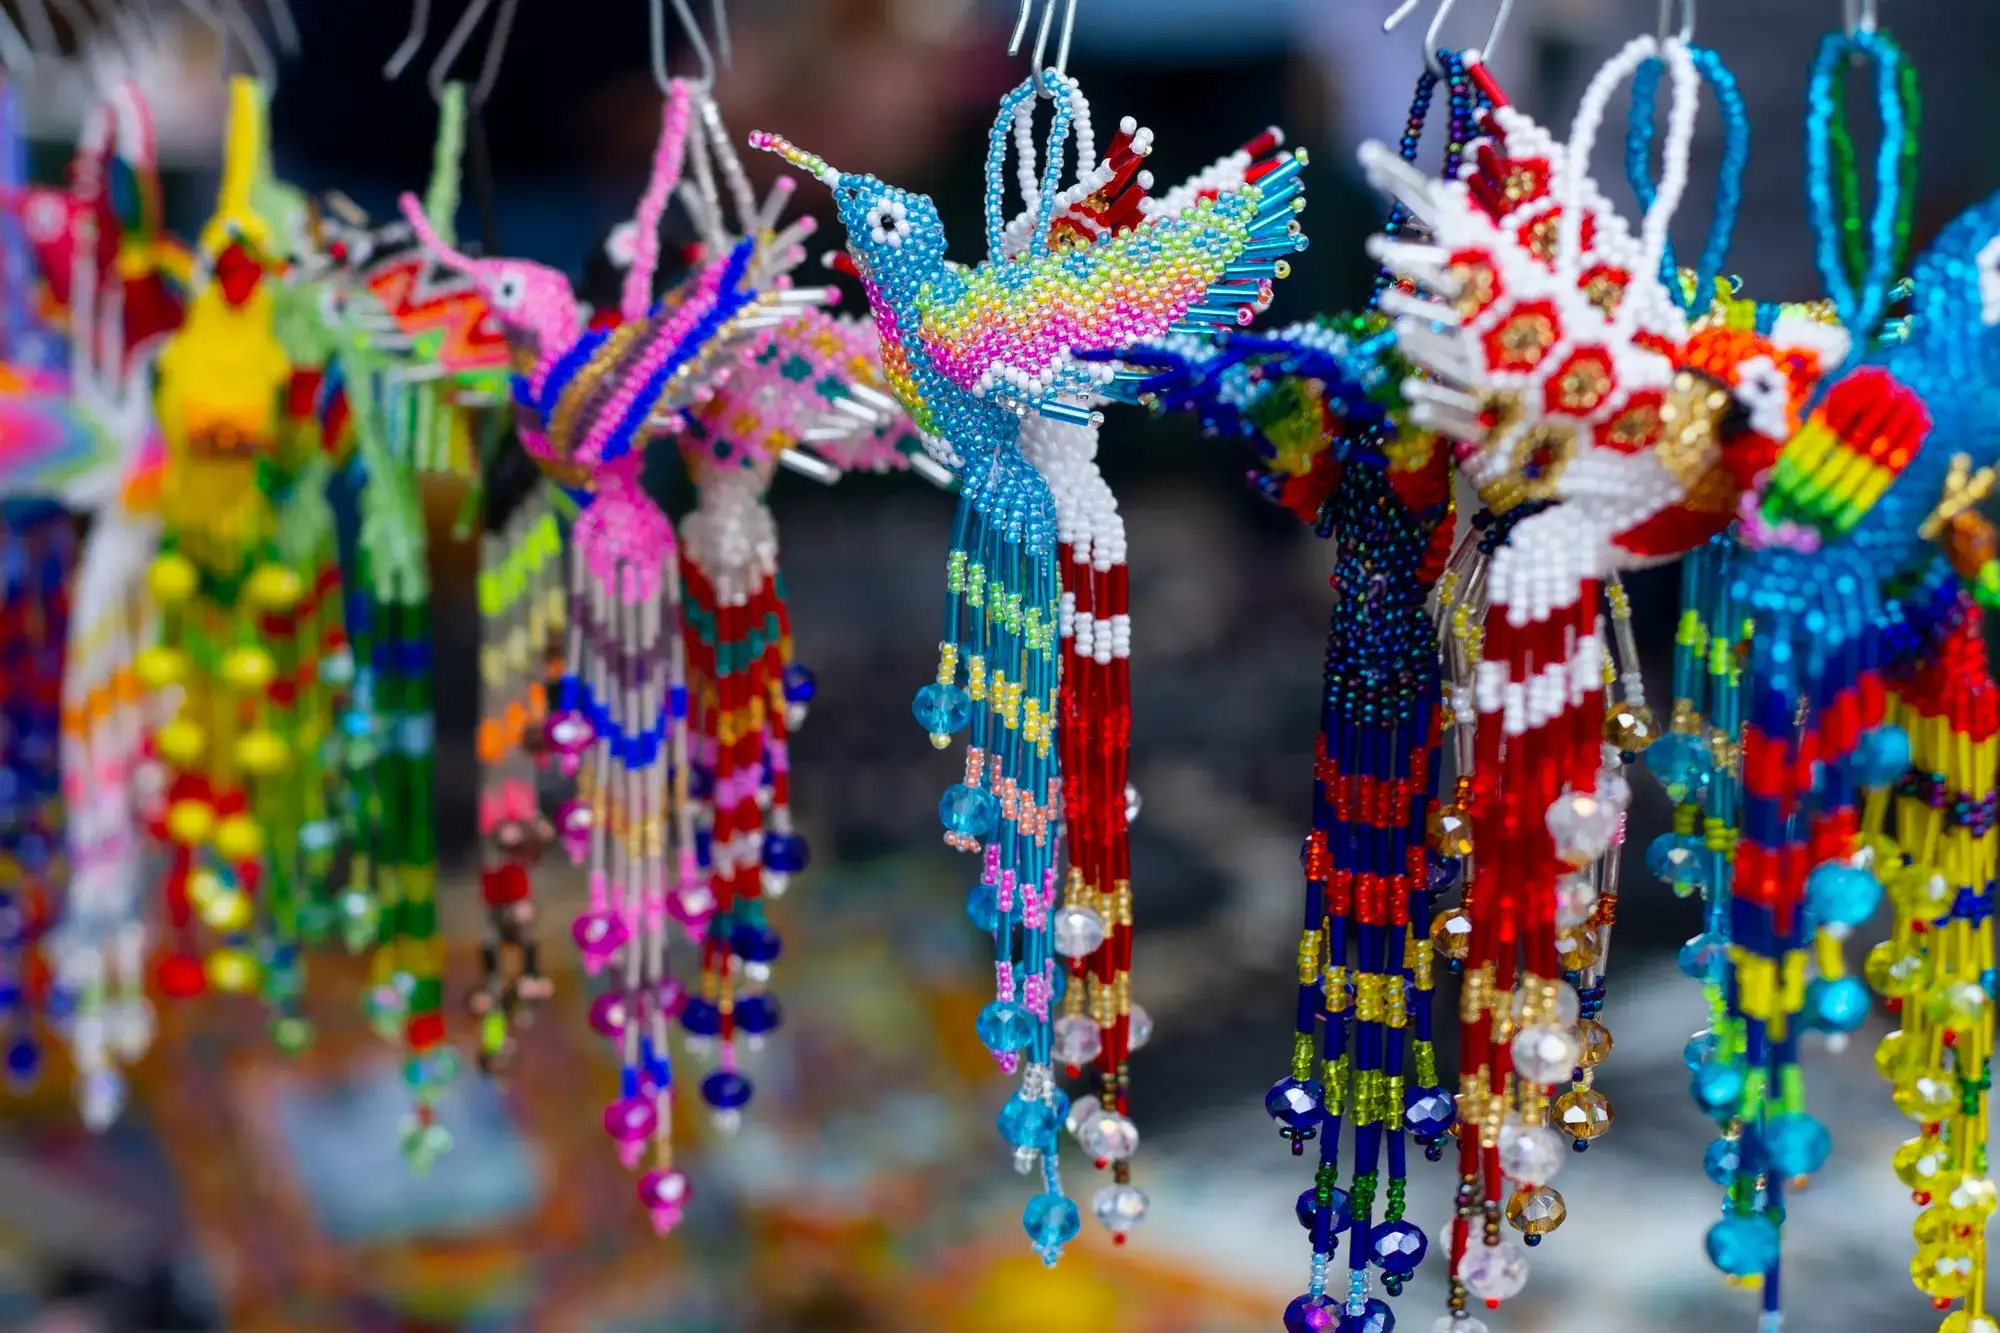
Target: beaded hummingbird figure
{"type": "Point", "coordinates": [588, 397]}
{"type": "Point", "coordinates": [971, 353]}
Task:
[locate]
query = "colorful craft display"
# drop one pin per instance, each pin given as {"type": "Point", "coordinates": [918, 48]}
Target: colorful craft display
{"type": "Point", "coordinates": [215, 624]}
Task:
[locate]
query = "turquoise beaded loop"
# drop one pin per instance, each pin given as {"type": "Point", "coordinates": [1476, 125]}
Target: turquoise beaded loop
{"type": "Point", "coordinates": [1729, 176]}
{"type": "Point", "coordinates": [1861, 297]}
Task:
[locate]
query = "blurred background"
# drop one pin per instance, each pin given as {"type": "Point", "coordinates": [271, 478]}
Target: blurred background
{"type": "Point", "coordinates": [248, 1191]}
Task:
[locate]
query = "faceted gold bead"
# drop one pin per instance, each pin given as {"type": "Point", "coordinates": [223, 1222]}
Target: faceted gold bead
{"type": "Point", "coordinates": [232, 971]}
{"type": "Point", "coordinates": [1578, 948]}
{"type": "Point", "coordinates": [1926, 1098]}
{"type": "Point", "coordinates": [1918, 1163]}
{"type": "Point", "coordinates": [1583, 1113]}
{"type": "Point", "coordinates": [1596, 1040]}
{"type": "Point", "coordinates": [1536, 1212]}
{"type": "Point", "coordinates": [1630, 728]}
{"type": "Point", "coordinates": [1451, 934]}
{"type": "Point", "coordinates": [1973, 1199]}
{"type": "Point", "coordinates": [1892, 971]}
{"type": "Point", "coordinates": [1933, 1226]}
{"type": "Point", "coordinates": [227, 912]}
{"type": "Point", "coordinates": [1968, 1321]}
{"type": "Point", "coordinates": [1941, 1272]}
{"type": "Point", "coordinates": [1897, 1057]}
{"type": "Point", "coordinates": [1451, 831]}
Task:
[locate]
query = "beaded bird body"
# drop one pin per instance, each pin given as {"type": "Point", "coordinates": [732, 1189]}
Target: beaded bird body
{"type": "Point", "coordinates": [971, 352]}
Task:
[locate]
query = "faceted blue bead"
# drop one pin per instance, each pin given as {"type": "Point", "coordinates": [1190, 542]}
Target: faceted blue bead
{"type": "Point", "coordinates": [942, 709]}
{"type": "Point", "coordinates": [1307, 1205]}
{"type": "Point", "coordinates": [1429, 1112]}
{"type": "Point", "coordinates": [1027, 1124]}
{"type": "Point", "coordinates": [357, 723]}
{"type": "Point", "coordinates": [969, 811]}
{"type": "Point", "coordinates": [982, 908]}
{"type": "Point", "coordinates": [1717, 1086]}
{"type": "Point", "coordinates": [1683, 764]}
{"type": "Point", "coordinates": [1836, 1004]}
{"type": "Point", "coordinates": [1398, 1247]}
{"type": "Point", "coordinates": [1726, 1160]}
{"type": "Point", "coordinates": [1698, 1048]}
{"type": "Point", "coordinates": [24, 1060]}
{"type": "Point", "coordinates": [1051, 1221]}
{"type": "Point", "coordinates": [1313, 1314]}
{"type": "Point", "coordinates": [1296, 1103]}
{"type": "Point", "coordinates": [1743, 1246]}
{"type": "Point", "coordinates": [700, 1018]}
{"type": "Point", "coordinates": [1702, 958]}
{"type": "Point", "coordinates": [799, 684]}
{"type": "Point", "coordinates": [1375, 1317]}
{"type": "Point", "coordinates": [725, 1090]}
{"type": "Point", "coordinates": [1796, 1144]}
{"type": "Point", "coordinates": [1444, 871]}
{"type": "Point", "coordinates": [1675, 858]}
{"type": "Point", "coordinates": [10, 996]}
{"type": "Point", "coordinates": [1059, 985]}
{"type": "Point", "coordinates": [1004, 1026]}
{"type": "Point", "coordinates": [756, 944]}
{"type": "Point", "coordinates": [1881, 756]}
{"type": "Point", "coordinates": [1842, 895]}
{"type": "Point", "coordinates": [786, 853]}
{"type": "Point", "coordinates": [758, 1014]}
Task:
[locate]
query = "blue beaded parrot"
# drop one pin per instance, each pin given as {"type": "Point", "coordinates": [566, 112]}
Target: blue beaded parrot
{"type": "Point", "coordinates": [1844, 619]}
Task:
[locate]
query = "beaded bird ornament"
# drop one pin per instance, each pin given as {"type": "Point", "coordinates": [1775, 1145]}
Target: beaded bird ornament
{"type": "Point", "coordinates": [587, 400]}
{"type": "Point", "coordinates": [252, 652]}
{"type": "Point", "coordinates": [1099, 1024]}
{"type": "Point", "coordinates": [1321, 402]}
{"type": "Point", "coordinates": [118, 296]}
{"type": "Point", "coordinates": [1601, 434]}
{"type": "Point", "coordinates": [1859, 724]}
{"type": "Point", "coordinates": [436, 357]}
{"type": "Point", "coordinates": [971, 353]}
{"type": "Point", "coordinates": [83, 262]}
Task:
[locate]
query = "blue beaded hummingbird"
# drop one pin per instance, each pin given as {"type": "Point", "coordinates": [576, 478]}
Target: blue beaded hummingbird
{"type": "Point", "coordinates": [971, 352]}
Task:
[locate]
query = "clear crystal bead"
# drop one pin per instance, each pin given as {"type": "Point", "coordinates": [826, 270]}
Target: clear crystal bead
{"type": "Point", "coordinates": [1576, 898]}
{"type": "Point", "coordinates": [1078, 931]}
{"type": "Point", "coordinates": [1531, 1154]}
{"type": "Point", "coordinates": [1140, 1030]}
{"type": "Point", "coordinates": [1077, 1040]}
{"type": "Point", "coordinates": [1108, 1136]}
{"type": "Point", "coordinates": [1119, 1208]}
{"type": "Point", "coordinates": [1546, 1054]}
{"type": "Point", "coordinates": [1495, 1273]}
{"type": "Point", "coordinates": [1582, 826]}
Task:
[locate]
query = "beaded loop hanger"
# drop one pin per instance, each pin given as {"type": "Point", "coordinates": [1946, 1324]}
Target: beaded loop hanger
{"type": "Point", "coordinates": [1861, 262]}
{"type": "Point", "coordinates": [1697, 297]}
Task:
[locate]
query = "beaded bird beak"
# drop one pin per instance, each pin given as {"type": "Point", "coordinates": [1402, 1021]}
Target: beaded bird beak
{"type": "Point", "coordinates": [811, 163]}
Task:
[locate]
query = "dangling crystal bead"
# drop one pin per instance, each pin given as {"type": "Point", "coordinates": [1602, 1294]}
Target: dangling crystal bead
{"type": "Point", "coordinates": [1078, 931]}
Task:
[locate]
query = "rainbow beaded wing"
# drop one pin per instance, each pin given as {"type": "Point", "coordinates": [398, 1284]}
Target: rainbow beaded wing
{"type": "Point", "coordinates": [1014, 329]}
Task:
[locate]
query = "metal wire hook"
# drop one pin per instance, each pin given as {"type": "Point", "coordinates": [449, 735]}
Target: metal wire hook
{"type": "Point", "coordinates": [692, 30]}
{"type": "Point", "coordinates": [1667, 20]}
{"type": "Point", "coordinates": [454, 46]}
{"type": "Point", "coordinates": [1860, 16]}
{"type": "Point", "coordinates": [1434, 34]}
{"type": "Point", "coordinates": [413, 41]}
{"type": "Point", "coordinates": [228, 19]}
{"type": "Point", "coordinates": [1042, 39]}
{"type": "Point", "coordinates": [16, 56]}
